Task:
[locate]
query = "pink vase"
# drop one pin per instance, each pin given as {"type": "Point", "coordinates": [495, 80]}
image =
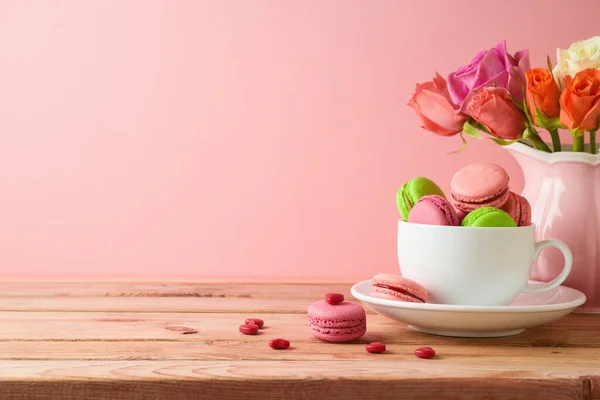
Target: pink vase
{"type": "Point", "coordinates": [564, 191]}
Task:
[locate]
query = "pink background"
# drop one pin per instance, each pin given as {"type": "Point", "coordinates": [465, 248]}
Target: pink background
{"type": "Point", "coordinates": [233, 137]}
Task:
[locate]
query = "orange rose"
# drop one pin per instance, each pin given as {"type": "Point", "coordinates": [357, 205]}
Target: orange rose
{"type": "Point", "coordinates": [580, 101]}
{"type": "Point", "coordinates": [542, 94]}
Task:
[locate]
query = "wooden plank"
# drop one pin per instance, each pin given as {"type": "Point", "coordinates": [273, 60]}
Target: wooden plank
{"type": "Point", "coordinates": [571, 358]}
{"type": "Point", "coordinates": [571, 331]}
{"type": "Point", "coordinates": [220, 280]}
{"type": "Point", "coordinates": [165, 297]}
{"type": "Point", "coordinates": [263, 290]}
{"type": "Point", "coordinates": [179, 340]}
{"type": "Point", "coordinates": [417, 379]}
{"type": "Point", "coordinates": [158, 304]}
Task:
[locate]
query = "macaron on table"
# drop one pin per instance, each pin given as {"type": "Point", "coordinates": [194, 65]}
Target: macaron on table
{"type": "Point", "coordinates": [337, 321]}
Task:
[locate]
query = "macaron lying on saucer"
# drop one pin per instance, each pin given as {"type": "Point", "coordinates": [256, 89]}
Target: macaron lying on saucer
{"type": "Point", "coordinates": [397, 287]}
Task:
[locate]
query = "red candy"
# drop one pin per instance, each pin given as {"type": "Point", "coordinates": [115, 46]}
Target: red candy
{"type": "Point", "coordinates": [425, 352]}
{"type": "Point", "coordinates": [279, 344]}
{"type": "Point", "coordinates": [334, 298]}
{"type": "Point", "coordinates": [375, 347]}
{"type": "Point", "coordinates": [256, 321]}
{"type": "Point", "coordinates": [249, 329]}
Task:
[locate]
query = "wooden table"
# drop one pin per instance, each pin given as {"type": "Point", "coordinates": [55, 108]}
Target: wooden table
{"type": "Point", "coordinates": [179, 340]}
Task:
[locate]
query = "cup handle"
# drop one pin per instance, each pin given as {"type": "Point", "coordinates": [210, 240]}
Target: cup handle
{"type": "Point", "coordinates": [566, 269]}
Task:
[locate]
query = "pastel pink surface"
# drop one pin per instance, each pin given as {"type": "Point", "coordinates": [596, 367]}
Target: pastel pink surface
{"type": "Point", "coordinates": [337, 323]}
{"type": "Point", "coordinates": [478, 185]}
{"type": "Point", "coordinates": [518, 208]}
{"type": "Point", "coordinates": [410, 288]}
{"type": "Point", "coordinates": [178, 119]}
{"type": "Point", "coordinates": [433, 210]}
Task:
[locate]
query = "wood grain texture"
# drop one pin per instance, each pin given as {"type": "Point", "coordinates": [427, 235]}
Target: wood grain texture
{"type": "Point", "coordinates": [571, 331]}
{"type": "Point", "coordinates": [302, 290]}
{"type": "Point", "coordinates": [179, 340]}
{"type": "Point", "coordinates": [284, 380]}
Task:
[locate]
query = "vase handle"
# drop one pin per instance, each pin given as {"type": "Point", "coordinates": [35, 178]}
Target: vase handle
{"type": "Point", "coordinates": [539, 246]}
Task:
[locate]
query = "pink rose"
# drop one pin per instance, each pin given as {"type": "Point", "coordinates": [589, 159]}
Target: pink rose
{"type": "Point", "coordinates": [493, 67]}
{"type": "Point", "coordinates": [494, 109]}
{"type": "Point", "coordinates": [432, 103]}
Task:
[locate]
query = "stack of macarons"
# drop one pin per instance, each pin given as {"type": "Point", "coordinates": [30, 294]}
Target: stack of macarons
{"type": "Point", "coordinates": [480, 197]}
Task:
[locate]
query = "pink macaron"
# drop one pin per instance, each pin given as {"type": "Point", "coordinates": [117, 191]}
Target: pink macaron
{"type": "Point", "coordinates": [397, 287]}
{"type": "Point", "coordinates": [518, 208]}
{"type": "Point", "coordinates": [433, 210]}
{"type": "Point", "coordinates": [337, 323]}
{"type": "Point", "coordinates": [479, 185]}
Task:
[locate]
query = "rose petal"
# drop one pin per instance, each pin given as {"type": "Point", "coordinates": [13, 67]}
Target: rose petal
{"type": "Point", "coordinates": [498, 81]}
{"type": "Point", "coordinates": [522, 59]}
{"type": "Point", "coordinates": [435, 128]}
{"type": "Point", "coordinates": [490, 68]}
{"type": "Point", "coordinates": [590, 121]}
{"type": "Point", "coordinates": [497, 112]}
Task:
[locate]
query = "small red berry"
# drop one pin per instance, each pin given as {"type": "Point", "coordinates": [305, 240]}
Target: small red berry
{"type": "Point", "coordinates": [279, 344]}
{"type": "Point", "coordinates": [334, 298]}
{"type": "Point", "coordinates": [256, 321]}
{"type": "Point", "coordinates": [249, 329]}
{"type": "Point", "coordinates": [425, 352]}
{"type": "Point", "coordinates": [375, 347]}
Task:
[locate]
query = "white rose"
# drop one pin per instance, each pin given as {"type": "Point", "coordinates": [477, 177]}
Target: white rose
{"type": "Point", "coordinates": [580, 55]}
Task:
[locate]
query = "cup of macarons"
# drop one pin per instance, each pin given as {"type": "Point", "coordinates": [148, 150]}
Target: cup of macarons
{"type": "Point", "coordinates": [475, 247]}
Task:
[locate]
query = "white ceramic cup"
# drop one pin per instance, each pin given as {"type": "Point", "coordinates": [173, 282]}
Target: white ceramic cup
{"type": "Point", "coordinates": [474, 266]}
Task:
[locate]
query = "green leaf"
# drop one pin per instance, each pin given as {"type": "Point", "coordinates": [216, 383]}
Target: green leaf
{"type": "Point", "coordinates": [545, 122]}
{"type": "Point", "coordinates": [527, 116]}
{"type": "Point", "coordinates": [471, 130]}
{"type": "Point", "coordinates": [479, 126]}
{"type": "Point", "coordinates": [527, 131]}
{"type": "Point", "coordinates": [464, 145]}
{"type": "Point", "coordinates": [517, 103]}
{"type": "Point", "coordinates": [576, 132]}
{"type": "Point", "coordinates": [549, 66]}
{"type": "Point", "coordinates": [503, 142]}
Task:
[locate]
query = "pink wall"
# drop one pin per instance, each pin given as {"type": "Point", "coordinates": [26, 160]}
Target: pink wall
{"type": "Point", "coordinates": [232, 137]}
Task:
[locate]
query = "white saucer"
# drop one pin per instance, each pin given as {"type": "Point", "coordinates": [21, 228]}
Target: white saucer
{"type": "Point", "coordinates": [526, 311]}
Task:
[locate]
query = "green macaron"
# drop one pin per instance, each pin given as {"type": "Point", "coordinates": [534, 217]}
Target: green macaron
{"type": "Point", "coordinates": [408, 195]}
{"type": "Point", "coordinates": [489, 217]}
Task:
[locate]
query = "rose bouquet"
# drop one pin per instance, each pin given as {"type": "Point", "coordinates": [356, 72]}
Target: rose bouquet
{"type": "Point", "coordinates": [497, 95]}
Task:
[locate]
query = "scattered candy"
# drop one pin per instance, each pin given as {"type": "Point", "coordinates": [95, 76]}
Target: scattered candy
{"type": "Point", "coordinates": [256, 321]}
{"type": "Point", "coordinates": [375, 347]}
{"type": "Point", "coordinates": [279, 344]}
{"type": "Point", "coordinates": [334, 298]}
{"type": "Point", "coordinates": [249, 329]}
{"type": "Point", "coordinates": [425, 352]}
